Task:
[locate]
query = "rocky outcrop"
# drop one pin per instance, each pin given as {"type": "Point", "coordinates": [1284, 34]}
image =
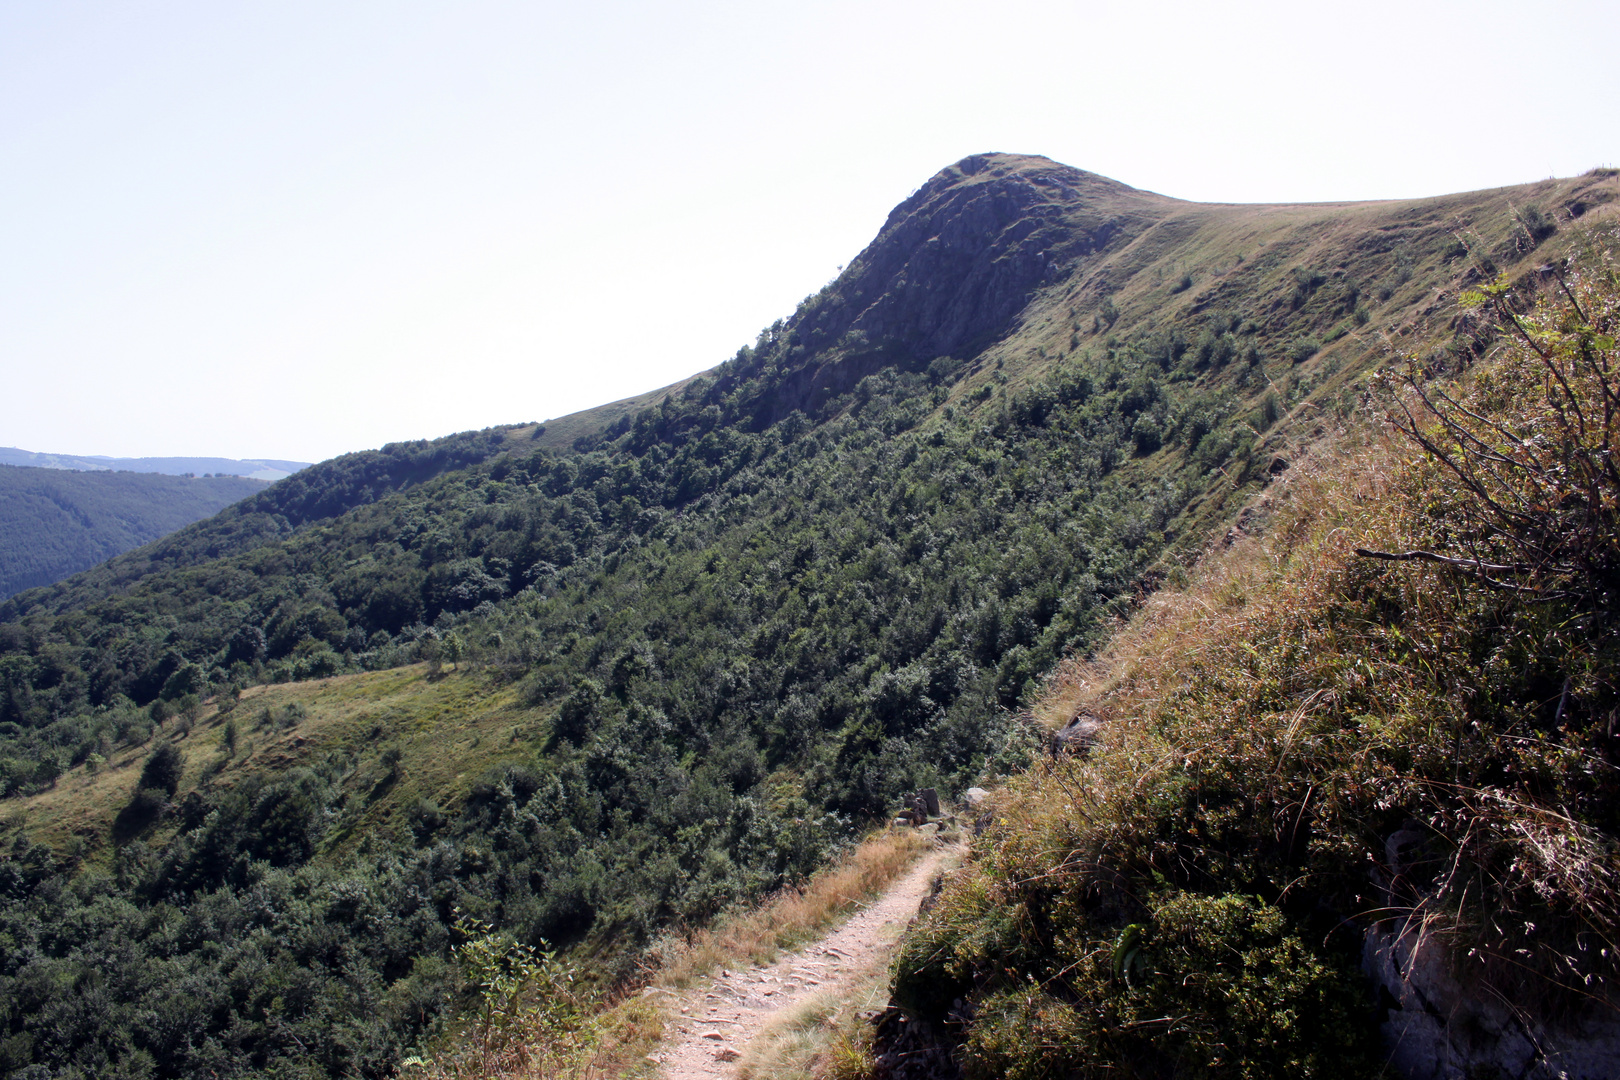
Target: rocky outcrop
{"type": "Point", "coordinates": [956, 264]}
{"type": "Point", "coordinates": [960, 259]}
{"type": "Point", "coordinates": [1077, 736]}
{"type": "Point", "coordinates": [1438, 1028]}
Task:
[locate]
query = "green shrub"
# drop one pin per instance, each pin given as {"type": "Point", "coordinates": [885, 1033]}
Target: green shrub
{"type": "Point", "coordinates": [1209, 986]}
{"type": "Point", "coordinates": [1535, 222]}
{"type": "Point", "coordinates": [163, 769]}
{"type": "Point", "coordinates": [1269, 412]}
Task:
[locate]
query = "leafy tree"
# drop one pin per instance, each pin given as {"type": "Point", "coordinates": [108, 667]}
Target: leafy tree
{"type": "Point", "coordinates": [163, 769]}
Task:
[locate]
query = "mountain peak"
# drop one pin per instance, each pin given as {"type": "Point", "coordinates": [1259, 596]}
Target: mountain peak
{"type": "Point", "coordinates": [957, 261]}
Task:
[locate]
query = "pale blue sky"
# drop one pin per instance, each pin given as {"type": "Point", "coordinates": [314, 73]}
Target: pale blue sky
{"type": "Point", "coordinates": [295, 229]}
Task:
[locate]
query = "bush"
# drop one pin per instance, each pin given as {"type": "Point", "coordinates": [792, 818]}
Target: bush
{"type": "Point", "coordinates": [143, 809]}
{"type": "Point", "coordinates": [1208, 986]}
{"type": "Point", "coordinates": [1535, 222]}
{"type": "Point", "coordinates": [1531, 493]}
{"type": "Point", "coordinates": [1302, 349]}
{"type": "Point", "coordinates": [163, 769]}
{"type": "Point", "coordinates": [1269, 411]}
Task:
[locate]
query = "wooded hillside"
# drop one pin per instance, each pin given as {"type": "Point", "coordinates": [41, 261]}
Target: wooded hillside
{"type": "Point", "coordinates": [55, 523]}
{"type": "Point", "coordinates": [591, 680]}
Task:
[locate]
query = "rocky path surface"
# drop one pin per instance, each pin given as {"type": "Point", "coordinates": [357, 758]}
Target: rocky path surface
{"type": "Point", "coordinates": [713, 1025]}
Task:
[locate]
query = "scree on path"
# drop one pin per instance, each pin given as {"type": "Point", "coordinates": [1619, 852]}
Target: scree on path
{"type": "Point", "coordinates": [711, 1037]}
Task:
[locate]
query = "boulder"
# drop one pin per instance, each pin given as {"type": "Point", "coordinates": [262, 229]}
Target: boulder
{"type": "Point", "coordinates": [930, 799]}
{"type": "Point", "coordinates": [1442, 1027]}
{"type": "Point", "coordinates": [1077, 736]}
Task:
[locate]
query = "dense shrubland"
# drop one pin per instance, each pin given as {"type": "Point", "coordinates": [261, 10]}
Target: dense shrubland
{"type": "Point", "coordinates": [517, 552]}
{"type": "Point", "coordinates": [740, 643]}
{"type": "Point", "coordinates": [1398, 709]}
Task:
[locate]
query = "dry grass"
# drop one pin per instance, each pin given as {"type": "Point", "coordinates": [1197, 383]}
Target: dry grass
{"type": "Point", "coordinates": [1273, 726]}
{"type": "Point", "coordinates": [792, 917]}
{"type": "Point", "coordinates": [1300, 528]}
{"type": "Point", "coordinates": [630, 1022]}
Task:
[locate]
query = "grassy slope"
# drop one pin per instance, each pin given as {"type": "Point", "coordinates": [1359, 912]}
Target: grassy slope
{"type": "Point", "coordinates": [448, 728]}
{"type": "Point", "coordinates": [1301, 744]}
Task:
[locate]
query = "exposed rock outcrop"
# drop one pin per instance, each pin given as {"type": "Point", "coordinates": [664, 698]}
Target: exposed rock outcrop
{"type": "Point", "coordinates": [1438, 1028]}
{"type": "Point", "coordinates": [956, 264]}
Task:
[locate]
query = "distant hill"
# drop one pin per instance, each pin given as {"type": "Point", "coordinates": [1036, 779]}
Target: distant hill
{"type": "Point", "coordinates": [253, 468]}
{"type": "Point", "coordinates": [55, 522]}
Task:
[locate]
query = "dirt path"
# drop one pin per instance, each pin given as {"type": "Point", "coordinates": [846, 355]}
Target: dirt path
{"type": "Point", "coordinates": [715, 1024]}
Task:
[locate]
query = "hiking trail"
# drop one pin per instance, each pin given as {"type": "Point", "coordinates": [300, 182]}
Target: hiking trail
{"type": "Point", "coordinates": [712, 1026]}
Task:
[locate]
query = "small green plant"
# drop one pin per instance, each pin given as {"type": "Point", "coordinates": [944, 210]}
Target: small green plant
{"type": "Point", "coordinates": [1269, 411]}
{"type": "Point", "coordinates": [1306, 282]}
{"type": "Point", "coordinates": [1535, 223]}
{"type": "Point", "coordinates": [527, 1016]}
{"type": "Point", "coordinates": [1302, 349]}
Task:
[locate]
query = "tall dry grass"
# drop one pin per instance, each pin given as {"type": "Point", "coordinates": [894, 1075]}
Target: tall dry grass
{"type": "Point", "coordinates": [1299, 533]}
{"type": "Point", "coordinates": [756, 935]}
{"type": "Point", "coordinates": [1297, 744]}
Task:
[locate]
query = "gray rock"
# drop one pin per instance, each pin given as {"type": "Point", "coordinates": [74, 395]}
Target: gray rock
{"type": "Point", "coordinates": [974, 796]}
{"type": "Point", "coordinates": [1444, 1030]}
{"type": "Point", "coordinates": [1077, 736]}
{"type": "Point", "coordinates": [957, 262]}
{"type": "Point", "coordinates": [930, 799]}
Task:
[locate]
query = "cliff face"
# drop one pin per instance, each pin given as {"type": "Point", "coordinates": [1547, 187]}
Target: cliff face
{"type": "Point", "coordinates": [955, 265]}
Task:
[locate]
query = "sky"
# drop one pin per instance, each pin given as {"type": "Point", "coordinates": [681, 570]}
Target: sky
{"type": "Point", "coordinates": [298, 229]}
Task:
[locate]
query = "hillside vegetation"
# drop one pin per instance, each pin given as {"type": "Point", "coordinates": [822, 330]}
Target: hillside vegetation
{"type": "Point", "coordinates": [1393, 714]}
{"type": "Point", "coordinates": [55, 523]}
{"type": "Point", "coordinates": [588, 681]}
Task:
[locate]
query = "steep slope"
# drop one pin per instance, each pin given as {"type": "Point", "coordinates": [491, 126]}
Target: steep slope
{"type": "Point", "coordinates": [55, 523]}
{"type": "Point", "coordinates": [672, 651]}
{"type": "Point", "coordinates": [1350, 800]}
